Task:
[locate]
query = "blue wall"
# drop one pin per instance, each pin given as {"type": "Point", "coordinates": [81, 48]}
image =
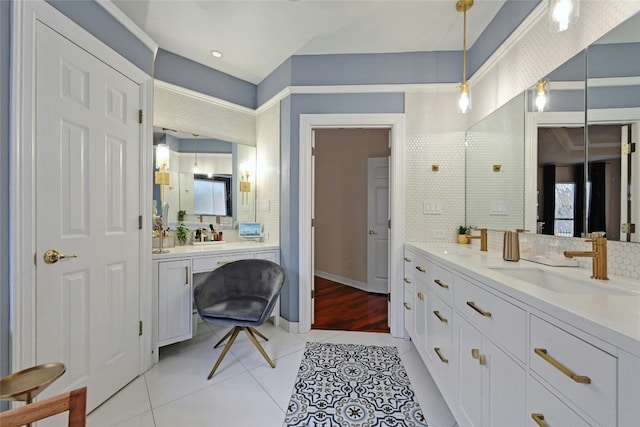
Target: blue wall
{"type": "Point", "coordinates": [5, 56]}
{"type": "Point", "coordinates": [290, 110]}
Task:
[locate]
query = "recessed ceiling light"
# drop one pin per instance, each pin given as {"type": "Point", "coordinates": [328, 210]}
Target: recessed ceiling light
{"type": "Point", "coordinates": [216, 54]}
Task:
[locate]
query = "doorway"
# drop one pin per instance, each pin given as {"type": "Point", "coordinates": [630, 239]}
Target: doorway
{"type": "Point", "coordinates": [351, 200]}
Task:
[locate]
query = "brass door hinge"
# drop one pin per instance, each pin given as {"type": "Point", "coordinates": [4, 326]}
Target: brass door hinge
{"type": "Point", "coordinates": [389, 297]}
{"type": "Point", "coordinates": [313, 293]}
{"type": "Point", "coordinates": [389, 224]}
{"type": "Point", "coordinates": [139, 222]}
{"type": "Point", "coordinates": [313, 222]}
{"type": "Point", "coordinates": [140, 328]}
{"type": "Point", "coordinates": [629, 148]}
{"type": "Point", "coordinates": [628, 228]}
{"type": "Point", "coordinates": [140, 115]}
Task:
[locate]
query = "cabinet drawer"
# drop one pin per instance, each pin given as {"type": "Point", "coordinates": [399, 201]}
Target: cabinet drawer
{"type": "Point", "coordinates": [440, 320]}
{"type": "Point", "coordinates": [441, 282]}
{"type": "Point", "coordinates": [213, 262]}
{"type": "Point", "coordinates": [501, 320]}
{"type": "Point", "coordinates": [546, 407]}
{"type": "Point", "coordinates": [584, 374]}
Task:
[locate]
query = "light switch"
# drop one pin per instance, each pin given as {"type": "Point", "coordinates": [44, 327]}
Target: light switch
{"type": "Point", "coordinates": [266, 205]}
{"type": "Point", "coordinates": [432, 207]}
{"type": "Point", "coordinates": [499, 207]}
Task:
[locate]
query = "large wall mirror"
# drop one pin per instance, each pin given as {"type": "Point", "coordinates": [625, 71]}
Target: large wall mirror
{"type": "Point", "coordinates": [207, 177]}
{"type": "Point", "coordinates": [586, 177]}
{"type": "Point", "coordinates": [212, 160]}
{"type": "Point", "coordinates": [495, 168]}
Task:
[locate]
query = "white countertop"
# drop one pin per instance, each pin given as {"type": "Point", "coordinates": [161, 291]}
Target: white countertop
{"type": "Point", "coordinates": [214, 249]}
{"type": "Point", "coordinates": [613, 318]}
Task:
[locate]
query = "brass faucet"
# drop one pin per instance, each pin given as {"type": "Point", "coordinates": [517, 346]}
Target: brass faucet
{"type": "Point", "coordinates": [482, 237]}
{"type": "Point", "coordinates": [599, 255]}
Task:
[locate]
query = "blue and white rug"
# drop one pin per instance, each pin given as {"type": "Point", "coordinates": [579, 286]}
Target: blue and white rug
{"type": "Point", "coordinates": [352, 385]}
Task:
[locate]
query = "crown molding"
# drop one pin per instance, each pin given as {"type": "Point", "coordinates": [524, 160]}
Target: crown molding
{"type": "Point", "coordinates": [123, 19]}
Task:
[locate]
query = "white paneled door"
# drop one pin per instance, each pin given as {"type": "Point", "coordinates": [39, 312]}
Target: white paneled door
{"type": "Point", "coordinates": [378, 223]}
{"type": "Point", "coordinates": [87, 202]}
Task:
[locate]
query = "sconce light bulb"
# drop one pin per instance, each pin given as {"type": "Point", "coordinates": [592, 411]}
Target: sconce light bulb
{"type": "Point", "coordinates": [195, 167]}
{"type": "Point", "coordinates": [463, 102]}
{"type": "Point", "coordinates": [561, 14]}
{"type": "Point", "coordinates": [541, 102]}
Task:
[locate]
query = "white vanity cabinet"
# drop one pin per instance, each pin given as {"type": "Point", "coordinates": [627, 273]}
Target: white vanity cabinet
{"type": "Point", "coordinates": [173, 278]}
{"type": "Point", "coordinates": [505, 356]}
{"type": "Point", "coordinates": [174, 301]}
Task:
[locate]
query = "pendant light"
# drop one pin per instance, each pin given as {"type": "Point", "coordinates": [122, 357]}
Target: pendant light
{"type": "Point", "coordinates": [195, 163]}
{"type": "Point", "coordinates": [465, 101]}
{"type": "Point", "coordinates": [563, 13]}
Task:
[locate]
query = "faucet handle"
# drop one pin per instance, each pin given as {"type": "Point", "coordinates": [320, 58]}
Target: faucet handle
{"type": "Point", "coordinates": [521, 230]}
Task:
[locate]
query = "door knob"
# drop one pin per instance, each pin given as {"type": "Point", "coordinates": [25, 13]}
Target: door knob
{"type": "Point", "coordinates": [52, 256]}
{"type": "Point", "coordinates": [372, 232]}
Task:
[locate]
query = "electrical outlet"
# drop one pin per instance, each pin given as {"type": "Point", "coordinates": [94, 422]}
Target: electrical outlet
{"type": "Point", "coordinates": [438, 233]}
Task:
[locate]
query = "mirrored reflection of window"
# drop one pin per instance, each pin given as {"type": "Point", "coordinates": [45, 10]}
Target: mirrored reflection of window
{"type": "Point", "coordinates": [211, 196]}
{"type": "Point", "coordinates": [564, 209]}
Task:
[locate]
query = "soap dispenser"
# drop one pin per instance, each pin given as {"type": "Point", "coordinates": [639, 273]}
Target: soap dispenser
{"type": "Point", "coordinates": [511, 246]}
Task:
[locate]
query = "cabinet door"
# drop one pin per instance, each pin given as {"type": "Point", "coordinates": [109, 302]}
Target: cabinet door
{"type": "Point", "coordinates": [174, 301]}
{"type": "Point", "coordinates": [469, 374]}
{"type": "Point", "coordinates": [503, 382]}
{"type": "Point", "coordinates": [421, 320]}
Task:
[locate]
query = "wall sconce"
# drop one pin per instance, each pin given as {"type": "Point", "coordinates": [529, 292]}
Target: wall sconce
{"type": "Point", "coordinates": [245, 186]}
{"type": "Point", "coordinates": [162, 163]}
{"type": "Point", "coordinates": [465, 101]}
{"type": "Point", "coordinates": [540, 96]}
{"type": "Point", "coordinates": [563, 13]}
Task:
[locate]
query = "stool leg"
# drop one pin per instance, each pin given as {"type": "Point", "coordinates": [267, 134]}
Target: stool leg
{"type": "Point", "coordinates": [224, 338]}
{"type": "Point", "coordinates": [234, 334]}
{"type": "Point", "coordinates": [255, 331]}
{"type": "Point", "coordinates": [255, 342]}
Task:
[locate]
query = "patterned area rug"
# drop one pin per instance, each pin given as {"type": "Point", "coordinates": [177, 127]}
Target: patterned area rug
{"type": "Point", "coordinates": [352, 386]}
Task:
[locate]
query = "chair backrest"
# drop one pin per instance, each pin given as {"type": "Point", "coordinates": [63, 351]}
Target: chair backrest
{"type": "Point", "coordinates": [74, 401]}
{"type": "Point", "coordinates": [250, 277]}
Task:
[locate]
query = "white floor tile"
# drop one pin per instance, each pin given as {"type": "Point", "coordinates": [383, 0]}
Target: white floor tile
{"type": "Point", "coordinates": [278, 382]}
{"type": "Point", "coordinates": [239, 401]}
{"type": "Point", "coordinates": [131, 401]}
{"type": "Point", "coordinates": [142, 420]}
{"type": "Point", "coordinates": [370, 338]}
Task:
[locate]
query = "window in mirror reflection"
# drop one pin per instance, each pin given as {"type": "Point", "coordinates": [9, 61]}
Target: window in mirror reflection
{"type": "Point", "coordinates": [212, 195]}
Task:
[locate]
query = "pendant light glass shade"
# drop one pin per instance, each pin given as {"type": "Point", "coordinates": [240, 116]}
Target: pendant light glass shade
{"type": "Point", "coordinates": [563, 13]}
{"type": "Point", "coordinates": [464, 102]}
{"type": "Point", "coordinates": [540, 96]}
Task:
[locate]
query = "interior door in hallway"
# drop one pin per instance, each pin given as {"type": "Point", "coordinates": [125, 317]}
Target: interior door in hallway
{"type": "Point", "coordinates": [87, 208]}
{"type": "Point", "coordinates": [378, 225]}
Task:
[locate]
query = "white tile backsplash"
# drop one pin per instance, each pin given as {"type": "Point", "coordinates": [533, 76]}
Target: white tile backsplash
{"type": "Point", "coordinates": [268, 171]}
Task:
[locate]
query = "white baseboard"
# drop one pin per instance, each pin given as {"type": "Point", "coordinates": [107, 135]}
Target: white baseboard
{"type": "Point", "coordinates": [288, 326]}
{"type": "Point", "coordinates": [342, 280]}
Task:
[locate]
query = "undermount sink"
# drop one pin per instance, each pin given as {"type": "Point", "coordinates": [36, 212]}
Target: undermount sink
{"type": "Point", "coordinates": [561, 283]}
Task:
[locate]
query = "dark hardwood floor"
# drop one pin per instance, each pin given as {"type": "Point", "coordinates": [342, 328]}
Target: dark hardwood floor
{"type": "Point", "coordinates": [341, 307]}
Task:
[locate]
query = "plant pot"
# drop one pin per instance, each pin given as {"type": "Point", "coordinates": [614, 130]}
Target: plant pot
{"type": "Point", "coordinates": [180, 217]}
{"type": "Point", "coordinates": [463, 239]}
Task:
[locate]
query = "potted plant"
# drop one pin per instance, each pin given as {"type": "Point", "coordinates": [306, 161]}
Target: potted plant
{"type": "Point", "coordinates": [182, 233]}
{"type": "Point", "coordinates": [463, 234]}
{"type": "Point", "coordinates": [181, 215]}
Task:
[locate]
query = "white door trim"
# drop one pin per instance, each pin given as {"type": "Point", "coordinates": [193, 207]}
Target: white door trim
{"type": "Point", "coordinates": [21, 150]}
{"type": "Point", "coordinates": [395, 124]}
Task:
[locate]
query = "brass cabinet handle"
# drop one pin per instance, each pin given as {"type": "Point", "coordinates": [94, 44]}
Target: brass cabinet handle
{"type": "Point", "coordinates": [407, 306]}
{"type": "Point", "coordinates": [542, 352]}
{"type": "Point", "coordinates": [478, 309]}
{"type": "Point", "coordinates": [539, 419]}
{"type": "Point", "coordinates": [420, 296]}
{"type": "Point", "coordinates": [407, 281]}
{"type": "Point", "coordinates": [442, 285]}
{"type": "Point", "coordinates": [52, 256]}
{"type": "Point", "coordinates": [482, 358]}
{"type": "Point", "coordinates": [437, 350]}
{"type": "Point", "coordinates": [186, 275]}
{"type": "Point", "coordinates": [420, 269]}
{"type": "Point", "coordinates": [229, 261]}
{"type": "Point", "coordinates": [440, 318]}
{"type": "Point", "coordinates": [407, 259]}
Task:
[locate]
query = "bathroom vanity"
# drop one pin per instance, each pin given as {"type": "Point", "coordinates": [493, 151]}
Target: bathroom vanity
{"type": "Point", "coordinates": [519, 343]}
{"type": "Point", "coordinates": [174, 314]}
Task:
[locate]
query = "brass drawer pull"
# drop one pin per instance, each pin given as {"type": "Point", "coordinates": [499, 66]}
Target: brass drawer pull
{"type": "Point", "coordinates": [478, 309]}
{"type": "Point", "coordinates": [223, 262]}
{"type": "Point", "coordinates": [407, 306]}
{"type": "Point", "coordinates": [442, 285]}
{"type": "Point", "coordinates": [539, 419]}
{"type": "Point", "coordinates": [407, 281]}
{"type": "Point", "coordinates": [440, 318]}
{"type": "Point", "coordinates": [420, 269]}
{"type": "Point", "coordinates": [437, 350]}
{"type": "Point", "coordinates": [407, 259]}
{"type": "Point", "coordinates": [420, 296]}
{"type": "Point", "coordinates": [542, 352]}
{"type": "Point", "coordinates": [482, 358]}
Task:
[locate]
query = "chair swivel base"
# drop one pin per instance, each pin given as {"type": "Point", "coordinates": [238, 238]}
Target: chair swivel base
{"type": "Point", "coordinates": [232, 335]}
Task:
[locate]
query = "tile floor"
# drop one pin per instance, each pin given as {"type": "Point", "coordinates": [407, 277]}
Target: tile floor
{"type": "Point", "coordinates": [245, 391]}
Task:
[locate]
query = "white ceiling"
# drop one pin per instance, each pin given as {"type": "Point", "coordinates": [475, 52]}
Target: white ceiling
{"type": "Point", "coordinates": [257, 36]}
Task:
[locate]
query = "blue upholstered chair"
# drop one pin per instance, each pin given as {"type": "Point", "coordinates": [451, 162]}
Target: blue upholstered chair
{"type": "Point", "coordinates": [240, 294]}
